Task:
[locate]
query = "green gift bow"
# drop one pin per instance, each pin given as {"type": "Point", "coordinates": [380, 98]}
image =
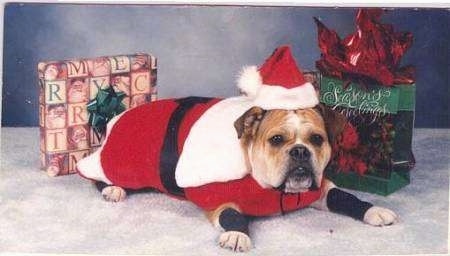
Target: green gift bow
{"type": "Point", "coordinates": [106, 105]}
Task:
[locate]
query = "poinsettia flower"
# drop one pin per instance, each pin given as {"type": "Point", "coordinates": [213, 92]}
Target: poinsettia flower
{"type": "Point", "coordinates": [360, 167]}
{"type": "Point", "coordinates": [349, 139]}
{"type": "Point", "coordinates": [343, 162]}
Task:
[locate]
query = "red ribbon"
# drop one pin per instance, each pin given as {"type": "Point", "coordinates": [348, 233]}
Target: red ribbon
{"type": "Point", "coordinates": [370, 55]}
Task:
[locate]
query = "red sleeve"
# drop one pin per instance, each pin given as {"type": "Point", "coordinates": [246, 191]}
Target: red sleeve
{"type": "Point", "coordinates": [252, 199]}
{"type": "Point", "coordinates": [246, 193]}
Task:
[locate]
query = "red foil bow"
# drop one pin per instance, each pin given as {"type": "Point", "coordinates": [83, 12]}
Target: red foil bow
{"type": "Point", "coordinates": [371, 55]}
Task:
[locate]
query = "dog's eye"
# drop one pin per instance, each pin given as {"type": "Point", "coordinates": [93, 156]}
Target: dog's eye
{"type": "Point", "coordinates": [276, 140]}
{"type": "Point", "coordinates": [316, 139]}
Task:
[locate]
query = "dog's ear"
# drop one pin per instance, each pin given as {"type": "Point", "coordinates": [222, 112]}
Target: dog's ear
{"type": "Point", "coordinates": [334, 121]}
{"type": "Point", "coordinates": [247, 124]}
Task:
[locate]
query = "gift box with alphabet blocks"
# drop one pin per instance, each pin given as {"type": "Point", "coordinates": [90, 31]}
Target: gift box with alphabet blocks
{"type": "Point", "coordinates": [65, 90]}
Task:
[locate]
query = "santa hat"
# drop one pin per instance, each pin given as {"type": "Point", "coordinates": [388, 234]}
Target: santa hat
{"type": "Point", "coordinates": [278, 83]}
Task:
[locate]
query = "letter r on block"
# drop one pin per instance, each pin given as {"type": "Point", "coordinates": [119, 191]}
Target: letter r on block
{"type": "Point", "coordinates": [77, 114]}
{"type": "Point", "coordinates": [55, 92]}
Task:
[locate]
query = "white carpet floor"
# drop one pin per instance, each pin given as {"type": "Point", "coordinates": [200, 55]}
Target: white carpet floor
{"type": "Point", "coordinates": [40, 214]}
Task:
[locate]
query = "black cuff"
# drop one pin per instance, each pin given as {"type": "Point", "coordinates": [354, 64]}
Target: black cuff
{"type": "Point", "coordinates": [344, 203]}
{"type": "Point", "coordinates": [100, 185]}
{"type": "Point", "coordinates": [232, 220]}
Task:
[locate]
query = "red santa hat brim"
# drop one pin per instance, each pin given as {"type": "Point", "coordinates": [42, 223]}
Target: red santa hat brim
{"type": "Point", "coordinates": [273, 96]}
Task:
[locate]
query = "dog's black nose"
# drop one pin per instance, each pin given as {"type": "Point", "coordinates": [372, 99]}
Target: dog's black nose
{"type": "Point", "coordinates": [300, 153]}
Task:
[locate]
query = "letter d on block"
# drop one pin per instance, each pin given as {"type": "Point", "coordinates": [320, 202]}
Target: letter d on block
{"type": "Point", "coordinates": [120, 64]}
{"type": "Point", "coordinates": [55, 92]}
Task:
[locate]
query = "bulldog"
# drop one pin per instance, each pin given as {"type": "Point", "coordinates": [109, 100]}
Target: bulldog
{"type": "Point", "coordinates": [260, 154]}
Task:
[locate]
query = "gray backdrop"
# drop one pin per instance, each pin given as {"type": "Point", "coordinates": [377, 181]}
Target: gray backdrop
{"type": "Point", "coordinates": [202, 48]}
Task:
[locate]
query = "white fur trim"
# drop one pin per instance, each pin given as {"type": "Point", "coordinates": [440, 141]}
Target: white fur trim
{"type": "Point", "coordinates": [249, 81]}
{"type": "Point", "coordinates": [212, 150]}
{"type": "Point", "coordinates": [279, 97]}
{"type": "Point", "coordinates": [90, 166]}
{"type": "Point", "coordinates": [274, 96]}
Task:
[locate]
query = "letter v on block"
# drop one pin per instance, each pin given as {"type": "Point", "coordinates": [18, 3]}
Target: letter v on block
{"type": "Point", "coordinates": [97, 83]}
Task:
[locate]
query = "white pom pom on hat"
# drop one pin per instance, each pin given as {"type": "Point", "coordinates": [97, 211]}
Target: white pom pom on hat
{"type": "Point", "coordinates": [278, 83]}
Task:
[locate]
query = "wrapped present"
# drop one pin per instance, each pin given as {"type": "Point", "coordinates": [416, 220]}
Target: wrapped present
{"type": "Point", "coordinates": [361, 78]}
{"type": "Point", "coordinates": [78, 97]}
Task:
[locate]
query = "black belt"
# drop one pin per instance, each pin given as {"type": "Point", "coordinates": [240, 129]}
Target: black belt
{"type": "Point", "coordinates": [169, 153]}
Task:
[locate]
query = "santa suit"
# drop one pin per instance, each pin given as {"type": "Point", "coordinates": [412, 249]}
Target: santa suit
{"type": "Point", "coordinates": [189, 149]}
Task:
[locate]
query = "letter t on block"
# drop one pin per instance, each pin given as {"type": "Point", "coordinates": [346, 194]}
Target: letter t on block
{"type": "Point", "coordinates": [56, 140]}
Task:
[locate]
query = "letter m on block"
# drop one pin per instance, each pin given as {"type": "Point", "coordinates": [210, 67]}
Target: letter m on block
{"type": "Point", "coordinates": [77, 68]}
{"type": "Point", "coordinates": [96, 138]}
{"type": "Point", "coordinates": [74, 157]}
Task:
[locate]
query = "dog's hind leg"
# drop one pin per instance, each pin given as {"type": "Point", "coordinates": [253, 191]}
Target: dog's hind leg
{"type": "Point", "coordinates": [113, 193]}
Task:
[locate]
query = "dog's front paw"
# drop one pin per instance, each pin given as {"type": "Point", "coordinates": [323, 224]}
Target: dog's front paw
{"type": "Point", "coordinates": [379, 216]}
{"type": "Point", "coordinates": [235, 241]}
{"type": "Point", "coordinates": [114, 194]}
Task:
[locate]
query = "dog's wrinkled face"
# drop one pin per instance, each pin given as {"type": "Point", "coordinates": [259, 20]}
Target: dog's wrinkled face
{"type": "Point", "coordinates": [288, 149]}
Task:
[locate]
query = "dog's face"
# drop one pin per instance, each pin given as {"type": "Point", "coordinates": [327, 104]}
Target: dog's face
{"type": "Point", "coordinates": [288, 149]}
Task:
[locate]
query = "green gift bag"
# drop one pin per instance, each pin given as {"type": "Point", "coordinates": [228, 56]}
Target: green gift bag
{"type": "Point", "coordinates": [376, 155]}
